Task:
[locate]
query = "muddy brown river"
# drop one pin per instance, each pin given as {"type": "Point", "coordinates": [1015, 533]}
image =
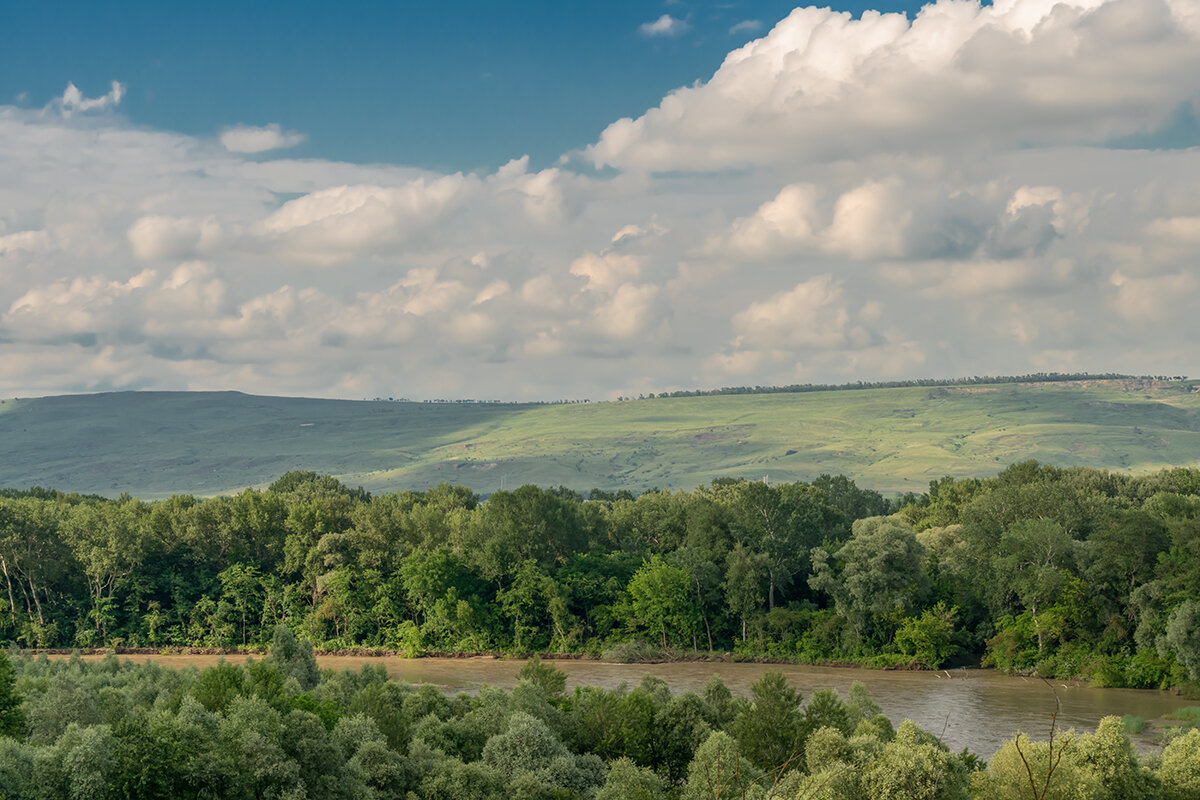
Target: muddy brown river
{"type": "Point", "coordinates": [975, 708]}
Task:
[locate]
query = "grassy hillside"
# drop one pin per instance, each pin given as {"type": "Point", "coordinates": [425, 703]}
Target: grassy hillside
{"type": "Point", "coordinates": [156, 443]}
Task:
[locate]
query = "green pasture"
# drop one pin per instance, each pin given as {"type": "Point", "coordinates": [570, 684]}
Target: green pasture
{"type": "Point", "coordinates": [153, 444]}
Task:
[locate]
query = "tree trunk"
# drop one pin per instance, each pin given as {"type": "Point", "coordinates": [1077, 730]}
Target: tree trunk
{"type": "Point", "coordinates": [703, 615]}
{"type": "Point", "coordinates": [36, 602]}
{"type": "Point", "coordinates": [12, 606]}
{"type": "Point", "coordinates": [1037, 627]}
{"type": "Point", "coordinates": [25, 597]}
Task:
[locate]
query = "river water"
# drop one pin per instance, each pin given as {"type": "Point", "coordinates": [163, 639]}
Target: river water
{"type": "Point", "coordinates": [977, 709]}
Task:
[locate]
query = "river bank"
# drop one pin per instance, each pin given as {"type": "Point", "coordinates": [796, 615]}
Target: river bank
{"type": "Point", "coordinates": [659, 657]}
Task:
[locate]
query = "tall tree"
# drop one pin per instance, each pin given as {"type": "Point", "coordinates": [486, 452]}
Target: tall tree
{"type": "Point", "coordinates": [783, 523]}
{"type": "Point", "coordinates": [661, 600]}
{"type": "Point", "coordinates": [109, 541]}
{"type": "Point", "coordinates": [745, 575]}
{"type": "Point", "coordinates": [1035, 555]}
{"type": "Point", "coordinates": [875, 579]}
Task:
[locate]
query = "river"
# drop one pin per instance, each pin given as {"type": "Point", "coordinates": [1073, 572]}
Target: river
{"type": "Point", "coordinates": [977, 709]}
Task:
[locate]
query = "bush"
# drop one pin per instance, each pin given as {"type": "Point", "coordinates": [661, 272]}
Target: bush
{"type": "Point", "coordinates": [1014, 647]}
{"type": "Point", "coordinates": [408, 639]}
{"type": "Point", "coordinates": [1133, 724]}
{"type": "Point", "coordinates": [1180, 769]}
{"type": "Point", "coordinates": [550, 679]}
{"type": "Point", "coordinates": [929, 637]}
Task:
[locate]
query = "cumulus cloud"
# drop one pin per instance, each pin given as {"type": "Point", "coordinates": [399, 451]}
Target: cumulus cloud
{"type": "Point", "coordinates": [1154, 299]}
{"type": "Point", "coordinates": [159, 238]}
{"type": "Point", "coordinates": [606, 272]}
{"type": "Point", "coordinates": [811, 330]}
{"type": "Point", "coordinates": [844, 199]}
{"type": "Point", "coordinates": [823, 85]}
{"type": "Point", "coordinates": [907, 217]}
{"type": "Point", "coordinates": [811, 315]}
{"type": "Point", "coordinates": [250, 139]}
{"type": "Point", "coordinates": [666, 25]}
{"type": "Point", "coordinates": [331, 225]}
{"type": "Point", "coordinates": [629, 312]}
{"type": "Point", "coordinates": [546, 196]}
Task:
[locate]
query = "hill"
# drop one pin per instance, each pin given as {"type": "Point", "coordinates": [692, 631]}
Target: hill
{"type": "Point", "coordinates": [153, 444]}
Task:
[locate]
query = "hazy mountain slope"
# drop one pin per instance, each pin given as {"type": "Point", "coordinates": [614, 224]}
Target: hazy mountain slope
{"type": "Point", "coordinates": [157, 443]}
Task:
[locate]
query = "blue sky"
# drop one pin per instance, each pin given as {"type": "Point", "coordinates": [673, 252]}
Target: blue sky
{"type": "Point", "coordinates": [455, 85]}
{"type": "Point", "coordinates": [520, 201]}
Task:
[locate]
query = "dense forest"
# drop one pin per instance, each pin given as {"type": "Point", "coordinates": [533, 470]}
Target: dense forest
{"type": "Point", "coordinates": [279, 728]}
{"type": "Point", "coordinates": [1040, 570]}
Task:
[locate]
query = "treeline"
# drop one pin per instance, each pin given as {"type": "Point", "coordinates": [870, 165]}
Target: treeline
{"type": "Point", "coordinates": [278, 728]}
{"type": "Point", "coordinates": [1056, 572]}
{"type": "Point", "coordinates": [975, 380]}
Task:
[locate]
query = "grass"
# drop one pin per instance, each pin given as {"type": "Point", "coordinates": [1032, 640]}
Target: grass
{"type": "Point", "coordinates": [152, 444]}
{"type": "Point", "coordinates": [1190, 715]}
{"type": "Point", "coordinates": [1133, 723]}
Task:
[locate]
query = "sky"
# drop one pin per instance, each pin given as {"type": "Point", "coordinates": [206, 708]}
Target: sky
{"type": "Point", "coordinates": [534, 202]}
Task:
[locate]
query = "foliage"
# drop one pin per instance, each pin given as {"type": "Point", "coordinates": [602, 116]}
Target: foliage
{"type": "Point", "coordinates": [145, 731]}
{"type": "Point", "coordinates": [770, 730]}
{"type": "Point", "coordinates": [874, 579]}
{"type": "Point", "coordinates": [1180, 769]}
{"type": "Point", "coordinates": [1038, 570]}
{"type": "Point", "coordinates": [929, 638]}
{"type": "Point", "coordinates": [12, 718]}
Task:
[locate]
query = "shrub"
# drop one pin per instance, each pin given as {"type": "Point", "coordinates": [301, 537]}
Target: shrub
{"type": "Point", "coordinates": [1180, 769]}
{"type": "Point", "coordinates": [929, 637]}
{"type": "Point", "coordinates": [1133, 724]}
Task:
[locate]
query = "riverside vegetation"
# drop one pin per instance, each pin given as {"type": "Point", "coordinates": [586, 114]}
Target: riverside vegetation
{"type": "Point", "coordinates": [278, 728]}
{"type": "Point", "coordinates": [1040, 570]}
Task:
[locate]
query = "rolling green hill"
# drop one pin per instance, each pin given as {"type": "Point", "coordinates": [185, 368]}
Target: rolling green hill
{"type": "Point", "coordinates": [153, 444]}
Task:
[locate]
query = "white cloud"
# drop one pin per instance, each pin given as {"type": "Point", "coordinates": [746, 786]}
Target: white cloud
{"type": "Point", "coordinates": [782, 226]}
{"type": "Point", "coordinates": [604, 273]}
{"type": "Point", "coordinates": [72, 100]}
{"type": "Point", "coordinates": [545, 196]}
{"type": "Point", "coordinates": [331, 225]}
{"type": "Point", "coordinates": [666, 25]}
{"type": "Point", "coordinates": [630, 312]}
{"type": "Point", "coordinates": [811, 315]}
{"type": "Point", "coordinates": [1155, 299]}
{"type": "Point", "coordinates": [250, 139]}
{"type": "Point", "coordinates": [960, 76]}
{"type": "Point", "coordinates": [746, 26]}
{"type": "Point", "coordinates": [870, 221]}
{"type": "Point", "coordinates": [158, 238]}
{"type": "Point", "coordinates": [846, 199]}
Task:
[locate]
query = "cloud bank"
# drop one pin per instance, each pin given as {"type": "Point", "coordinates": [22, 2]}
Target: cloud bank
{"type": "Point", "coordinates": [882, 197]}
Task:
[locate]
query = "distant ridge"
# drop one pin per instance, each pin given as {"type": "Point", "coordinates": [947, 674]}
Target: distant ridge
{"type": "Point", "coordinates": [892, 437]}
{"type": "Point", "coordinates": [976, 380]}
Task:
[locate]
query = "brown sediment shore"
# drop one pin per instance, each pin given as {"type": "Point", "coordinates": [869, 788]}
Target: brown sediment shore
{"type": "Point", "coordinates": [367, 652]}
